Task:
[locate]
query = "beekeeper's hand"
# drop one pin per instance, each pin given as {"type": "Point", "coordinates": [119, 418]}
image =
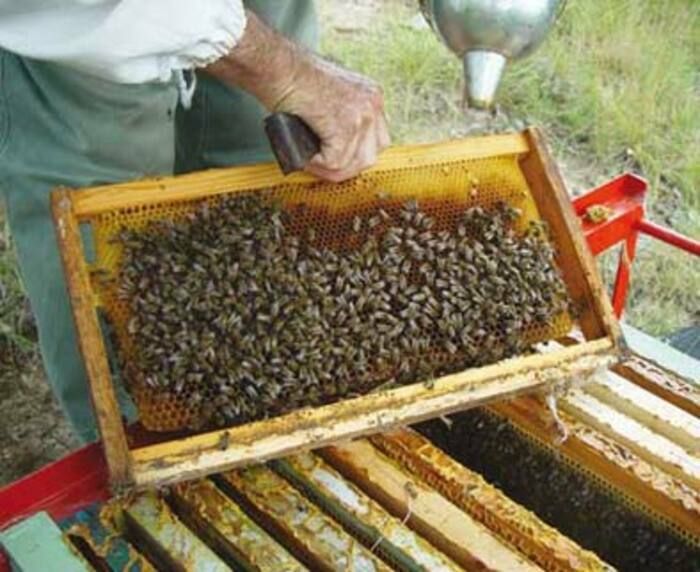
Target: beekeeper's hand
{"type": "Point", "coordinates": [345, 109]}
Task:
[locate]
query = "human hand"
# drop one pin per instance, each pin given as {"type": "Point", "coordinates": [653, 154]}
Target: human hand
{"type": "Point", "coordinates": [345, 109]}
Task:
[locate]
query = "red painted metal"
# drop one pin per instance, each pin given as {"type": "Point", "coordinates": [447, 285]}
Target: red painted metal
{"type": "Point", "coordinates": [624, 197]}
{"type": "Point", "coordinates": [60, 488]}
{"type": "Point", "coordinates": [623, 201]}
{"type": "Point", "coordinates": [669, 236]}
{"type": "Point", "coordinates": [624, 273]}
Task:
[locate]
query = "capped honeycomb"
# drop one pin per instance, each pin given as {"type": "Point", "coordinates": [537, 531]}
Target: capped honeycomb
{"type": "Point", "coordinates": [336, 221]}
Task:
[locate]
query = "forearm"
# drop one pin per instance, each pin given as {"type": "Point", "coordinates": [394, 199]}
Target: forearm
{"type": "Point", "coordinates": [343, 108]}
{"type": "Point", "coordinates": [263, 63]}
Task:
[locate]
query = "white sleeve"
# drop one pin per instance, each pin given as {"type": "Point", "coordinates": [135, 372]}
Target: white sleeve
{"type": "Point", "coordinates": [126, 41]}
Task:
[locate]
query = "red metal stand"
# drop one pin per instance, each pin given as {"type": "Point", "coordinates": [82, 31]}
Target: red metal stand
{"type": "Point", "coordinates": [60, 488]}
{"type": "Point", "coordinates": [622, 203]}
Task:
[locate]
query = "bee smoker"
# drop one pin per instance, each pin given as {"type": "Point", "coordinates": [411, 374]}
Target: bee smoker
{"type": "Point", "coordinates": [486, 34]}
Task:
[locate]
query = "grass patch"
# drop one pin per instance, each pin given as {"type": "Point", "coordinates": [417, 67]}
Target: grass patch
{"type": "Point", "coordinates": [622, 79]}
{"type": "Point", "coordinates": [617, 86]}
{"type": "Point", "coordinates": [17, 336]}
{"type": "Point", "coordinates": [661, 298]}
{"type": "Point", "coordinates": [421, 79]}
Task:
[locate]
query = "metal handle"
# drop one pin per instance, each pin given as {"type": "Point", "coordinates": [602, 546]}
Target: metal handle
{"type": "Point", "coordinates": [292, 140]}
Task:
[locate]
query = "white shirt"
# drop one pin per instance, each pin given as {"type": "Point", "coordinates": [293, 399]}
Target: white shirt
{"type": "Point", "coordinates": [126, 41]}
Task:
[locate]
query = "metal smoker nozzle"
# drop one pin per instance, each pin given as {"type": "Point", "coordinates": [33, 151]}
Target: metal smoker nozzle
{"type": "Point", "coordinates": [482, 74]}
{"type": "Point", "coordinates": [485, 34]}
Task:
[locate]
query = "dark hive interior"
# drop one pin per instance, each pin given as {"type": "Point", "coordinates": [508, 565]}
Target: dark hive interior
{"type": "Point", "coordinates": [565, 496]}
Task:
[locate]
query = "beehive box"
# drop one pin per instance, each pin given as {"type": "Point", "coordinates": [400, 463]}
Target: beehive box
{"type": "Point", "coordinates": [446, 178]}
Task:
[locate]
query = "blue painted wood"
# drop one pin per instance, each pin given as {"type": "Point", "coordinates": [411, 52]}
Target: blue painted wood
{"type": "Point", "coordinates": [178, 542]}
{"type": "Point", "coordinates": [117, 552]}
{"type": "Point", "coordinates": [656, 351]}
{"type": "Point", "coordinates": [37, 545]}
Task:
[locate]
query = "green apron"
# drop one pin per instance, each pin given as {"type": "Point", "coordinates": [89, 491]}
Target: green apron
{"type": "Point", "coordinates": [60, 127]}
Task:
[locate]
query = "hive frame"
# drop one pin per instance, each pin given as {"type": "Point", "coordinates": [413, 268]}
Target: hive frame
{"type": "Point", "coordinates": [218, 450]}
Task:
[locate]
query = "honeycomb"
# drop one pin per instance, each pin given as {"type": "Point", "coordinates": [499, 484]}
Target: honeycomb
{"type": "Point", "coordinates": [444, 191]}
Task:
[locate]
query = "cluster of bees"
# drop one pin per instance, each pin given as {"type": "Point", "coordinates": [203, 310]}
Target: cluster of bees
{"type": "Point", "coordinates": [564, 495]}
{"type": "Point", "coordinates": [241, 313]}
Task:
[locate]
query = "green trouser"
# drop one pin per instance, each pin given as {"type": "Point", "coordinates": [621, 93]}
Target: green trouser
{"type": "Point", "coordinates": [59, 127]}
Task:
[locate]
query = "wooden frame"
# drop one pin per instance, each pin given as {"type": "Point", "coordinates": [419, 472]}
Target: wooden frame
{"type": "Point", "coordinates": [542, 544]}
{"type": "Point", "coordinates": [223, 449]}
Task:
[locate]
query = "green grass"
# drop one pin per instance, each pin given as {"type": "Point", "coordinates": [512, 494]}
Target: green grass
{"type": "Point", "coordinates": [621, 77]}
{"type": "Point", "coordinates": [421, 80]}
{"type": "Point", "coordinates": [17, 338]}
{"type": "Point", "coordinates": [616, 85]}
{"type": "Point", "coordinates": [664, 290]}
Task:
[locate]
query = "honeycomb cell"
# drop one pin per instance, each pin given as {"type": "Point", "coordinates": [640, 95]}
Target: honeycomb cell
{"type": "Point", "coordinates": [444, 192]}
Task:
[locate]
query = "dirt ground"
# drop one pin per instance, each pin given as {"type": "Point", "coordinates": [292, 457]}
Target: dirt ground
{"type": "Point", "coordinates": [33, 431]}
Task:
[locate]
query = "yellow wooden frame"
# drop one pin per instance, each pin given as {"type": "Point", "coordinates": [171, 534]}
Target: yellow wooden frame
{"type": "Point", "coordinates": [223, 449]}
